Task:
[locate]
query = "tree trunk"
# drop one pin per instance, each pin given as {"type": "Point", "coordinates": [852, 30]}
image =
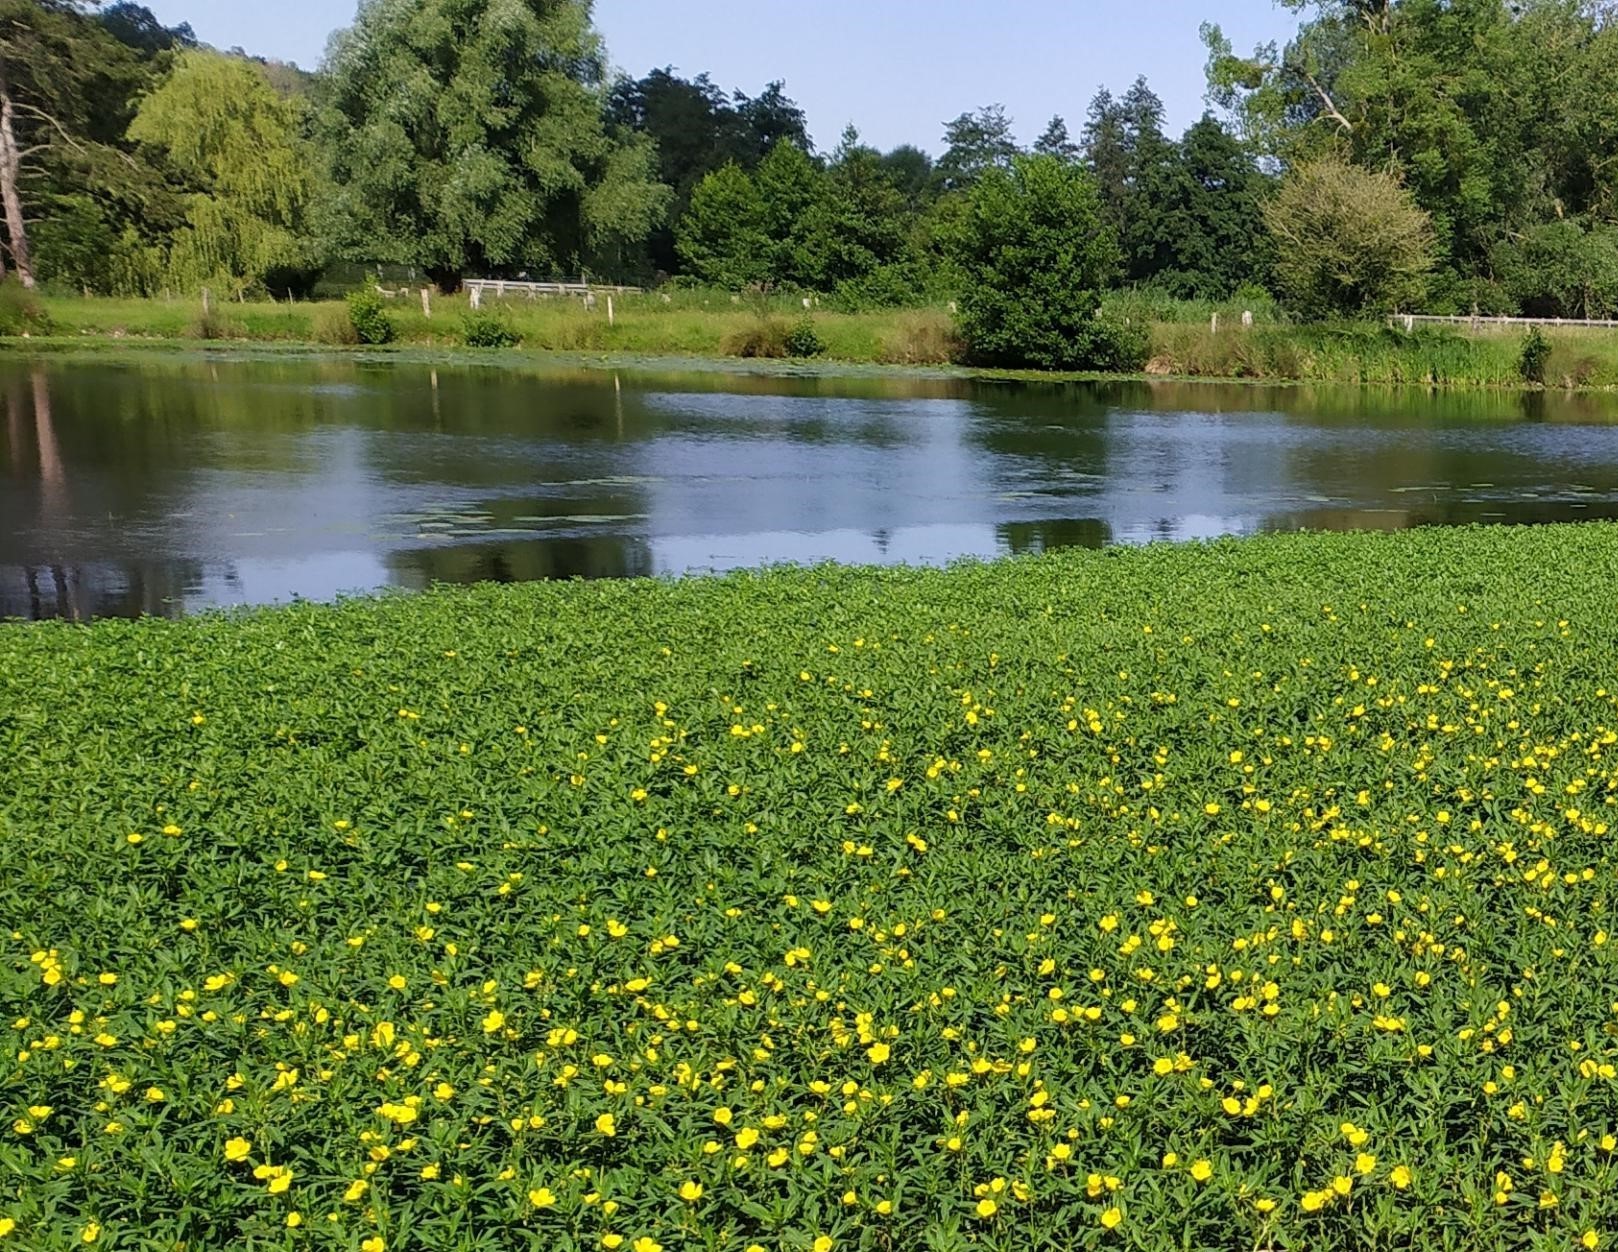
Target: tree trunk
{"type": "Point", "coordinates": [10, 195]}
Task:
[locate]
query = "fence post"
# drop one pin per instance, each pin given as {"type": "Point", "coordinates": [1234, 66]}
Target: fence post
{"type": "Point", "coordinates": [474, 293]}
{"type": "Point", "coordinates": [426, 304]}
{"type": "Point", "coordinates": [1213, 325]}
{"type": "Point", "coordinates": [1247, 319]}
{"type": "Point", "coordinates": [610, 321]}
{"type": "Point", "coordinates": [205, 298]}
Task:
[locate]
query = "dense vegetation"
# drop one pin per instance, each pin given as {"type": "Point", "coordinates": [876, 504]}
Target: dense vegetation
{"type": "Point", "coordinates": [468, 137]}
{"type": "Point", "coordinates": [1260, 892]}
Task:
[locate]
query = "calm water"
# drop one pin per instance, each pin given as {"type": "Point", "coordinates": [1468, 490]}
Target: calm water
{"type": "Point", "coordinates": [167, 485]}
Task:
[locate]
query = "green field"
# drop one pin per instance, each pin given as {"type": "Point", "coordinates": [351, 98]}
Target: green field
{"type": "Point", "coordinates": [1244, 895]}
{"type": "Point", "coordinates": [714, 324]}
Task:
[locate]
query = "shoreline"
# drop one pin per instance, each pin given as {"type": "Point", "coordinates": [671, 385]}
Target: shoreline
{"type": "Point", "coordinates": [93, 346]}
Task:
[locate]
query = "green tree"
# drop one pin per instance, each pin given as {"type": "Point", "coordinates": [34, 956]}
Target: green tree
{"type": "Point", "coordinates": [722, 237]}
{"type": "Point", "coordinates": [857, 224]}
{"type": "Point", "coordinates": [1206, 201]}
{"type": "Point", "coordinates": [1055, 141]}
{"type": "Point", "coordinates": [974, 144]}
{"type": "Point", "coordinates": [469, 135]}
{"type": "Point", "coordinates": [1348, 241]}
{"type": "Point", "coordinates": [65, 87]}
{"type": "Point", "coordinates": [235, 144]}
{"type": "Point", "coordinates": [1034, 252]}
{"type": "Point", "coordinates": [1561, 268]}
{"type": "Point", "coordinates": [790, 185]}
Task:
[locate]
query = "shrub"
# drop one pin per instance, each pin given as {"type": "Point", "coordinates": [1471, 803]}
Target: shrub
{"type": "Point", "coordinates": [335, 326]}
{"type": "Point", "coordinates": [1120, 345]}
{"type": "Point", "coordinates": [1536, 350]}
{"type": "Point", "coordinates": [765, 338]}
{"type": "Point", "coordinates": [1034, 252]}
{"type": "Point", "coordinates": [922, 337]}
{"type": "Point", "coordinates": [482, 329]}
{"type": "Point", "coordinates": [211, 324]}
{"type": "Point", "coordinates": [368, 316]}
{"type": "Point", "coordinates": [802, 340]}
{"type": "Point", "coordinates": [21, 313]}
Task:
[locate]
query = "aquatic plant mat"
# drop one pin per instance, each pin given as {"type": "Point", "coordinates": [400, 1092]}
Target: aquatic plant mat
{"type": "Point", "coordinates": [1253, 894]}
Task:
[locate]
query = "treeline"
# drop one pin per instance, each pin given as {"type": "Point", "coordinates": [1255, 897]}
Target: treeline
{"type": "Point", "coordinates": [1445, 155]}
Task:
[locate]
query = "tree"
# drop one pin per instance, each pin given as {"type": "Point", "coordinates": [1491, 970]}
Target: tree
{"type": "Point", "coordinates": [64, 87]}
{"type": "Point", "coordinates": [975, 143]}
{"type": "Point", "coordinates": [1348, 241]}
{"type": "Point", "coordinates": [911, 171]}
{"type": "Point", "coordinates": [857, 224]}
{"type": "Point", "coordinates": [235, 144]}
{"type": "Point", "coordinates": [722, 237]}
{"type": "Point", "coordinates": [1056, 142]}
{"type": "Point", "coordinates": [470, 135]}
{"type": "Point", "coordinates": [790, 184]}
{"type": "Point", "coordinates": [1034, 252]}
{"type": "Point", "coordinates": [1208, 200]}
{"type": "Point", "coordinates": [1562, 268]}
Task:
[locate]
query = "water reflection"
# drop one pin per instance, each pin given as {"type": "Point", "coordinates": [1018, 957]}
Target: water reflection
{"type": "Point", "coordinates": [176, 483]}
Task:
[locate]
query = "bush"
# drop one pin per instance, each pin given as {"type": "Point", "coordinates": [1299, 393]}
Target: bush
{"type": "Point", "coordinates": [480, 329]}
{"type": "Point", "coordinates": [368, 316]}
{"type": "Point", "coordinates": [765, 338]}
{"type": "Point", "coordinates": [802, 340]}
{"type": "Point", "coordinates": [21, 313]}
{"type": "Point", "coordinates": [1120, 345]}
{"type": "Point", "coordinates": [335, 326]}
{"type": "Point", "coordinates": [1536, 350]}
{"type": "Point", "coordinates": [1034, 252]}
{"type": "Point", "coordinates": [211, 324]}
{"type": "Point", "coordinates": [922, 337]}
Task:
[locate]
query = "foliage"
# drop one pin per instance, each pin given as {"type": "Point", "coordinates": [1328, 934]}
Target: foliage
{"type": "Point", "coordinates": [332, 324]}
{"type": "Point", "coordinates": [21, 312]}
{"type": "Point", "coordinates": [975, 144]}
{"type": "Point", "coordinates": [469, 135]}
{"type": "Point", "coordinates": [721, 239]}
{"type": "Point", "coordinates": [486, 328]}
{"type": "Point", "coordinates": [1491, 114]}
{"type": "Point", "coordinates": [1536, 351]}
{"type": "Point", "coordinates": [763, 338]}
{"type": "Point", "coordinates": [1175, 895]}
{"type": "Point", "coordinates": [1563, 268]}
{"type": "Point", "coordinates": [236, 145]}
{"type": "Point", "coordinates": [1348, 241]}
{"type": "Point", "coordinates": [802, 340]}
{"type": "Point", "coordinates": [1034, 252]}
{"type": "Point", "coordinates": [367, 314]}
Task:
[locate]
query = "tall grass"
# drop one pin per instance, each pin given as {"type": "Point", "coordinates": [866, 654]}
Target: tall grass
{"type": "Point", "coordinates": [695, 323]}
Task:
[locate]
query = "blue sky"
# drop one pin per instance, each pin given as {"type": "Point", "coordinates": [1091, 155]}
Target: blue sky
{"type": "Point", "coordinates": [898, 69]}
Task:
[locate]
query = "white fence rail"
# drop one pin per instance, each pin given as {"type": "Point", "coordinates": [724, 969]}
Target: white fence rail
{"type": "Point", "coordinates": [1408, 320]}
{"type": "Point", "coordinates": [500, 288]}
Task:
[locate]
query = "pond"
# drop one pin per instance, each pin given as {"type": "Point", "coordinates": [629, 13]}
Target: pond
{"type": "Point", "coordinates": [138, 483]}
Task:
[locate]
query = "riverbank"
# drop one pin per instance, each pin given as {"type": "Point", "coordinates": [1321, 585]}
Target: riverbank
{"type": "Point", "coordinates": [710, 326]}
{"type": "Point", "coordinates": [678, 911]}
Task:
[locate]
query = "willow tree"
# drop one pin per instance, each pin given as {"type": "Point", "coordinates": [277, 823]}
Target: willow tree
{"type": "Point", "coordinates": [469, 136]}
{"type": "Point", "coordinates": [235, 143]}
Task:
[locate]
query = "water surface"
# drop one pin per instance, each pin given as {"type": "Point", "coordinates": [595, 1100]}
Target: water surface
{"type": "Point", "coordinates": [168, 484]}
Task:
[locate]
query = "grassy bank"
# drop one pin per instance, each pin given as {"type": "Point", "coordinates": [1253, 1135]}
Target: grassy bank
{"type": "Point", "coordinates": [707, 324]}
{"type": "Point", "coordinates": [1246, 895]}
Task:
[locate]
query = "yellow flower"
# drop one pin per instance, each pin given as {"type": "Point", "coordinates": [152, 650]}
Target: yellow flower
{"type": "Point", "coordinates": [606, 1125]}
{"type": "Point", "coordinates": [542, 1197]}
{"type": "Point", "coordinates": [690, 1191]}
{"type": "Point", "coordinates": [823, 1243]}
{"type": "Point", "coordinates": [877, 1053]}
{"type": "Point", "coordinates": [746, 1137]}
{"type": "Point", "coordinates": [280, 1182]}
{"type": "Point", "coordinates": [494, 1021]}
{"type": "Point", "coordinates": [1400, 1176]}
{"type": "Point", "coordinates": [294, 1219]}
{"type": "Point", "coordinates": [987, 1208]}
{"type": "Point", "coordinates": [1112, 1217]}
{"type": "Point", "coordinates": [374, 1244]}
{"type": "Point", "coordinates": [646, 1244]}
{"type": "Point", "coordinates": [1590, 1239]}
{"type": "Point", "coordinates": [356, 1190]}
{"type": "Point", "coordinates": [91, 1233]}
{"type": "Point", "coordinates": [1202, 1170]}
{"type": "Point", "coordinates": [7, 1225]}
{"type": "Point", "coordinates": [1364, 1163]}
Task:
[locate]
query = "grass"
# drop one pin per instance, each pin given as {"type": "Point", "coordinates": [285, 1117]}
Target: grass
{"type": "Point", "coordinates": [1251, 894]}
{"type": "Point", "coordinates": [715, 325]}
